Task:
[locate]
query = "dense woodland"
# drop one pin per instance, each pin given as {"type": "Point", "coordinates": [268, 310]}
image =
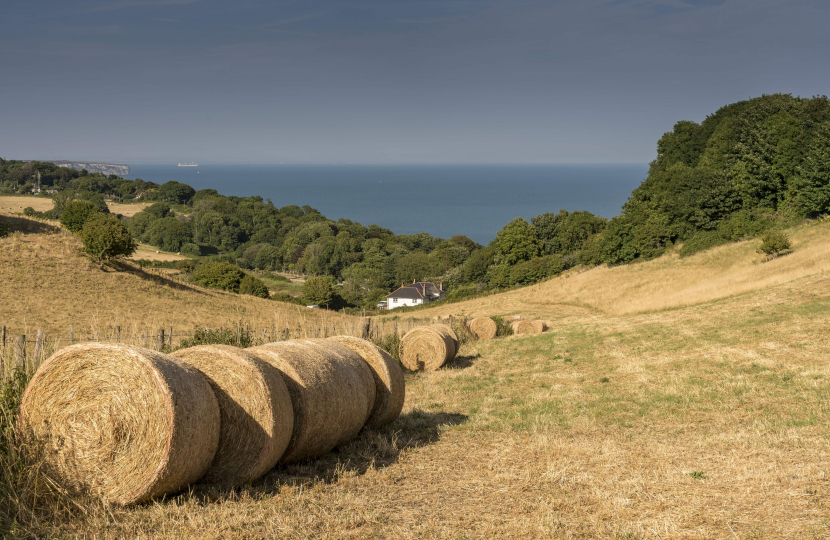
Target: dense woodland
{"type": "Point", "coordinates": [750, 166]}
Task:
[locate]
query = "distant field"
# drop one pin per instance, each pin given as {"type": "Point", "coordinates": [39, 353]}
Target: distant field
{"type": "Point", "coordinates": [150, 253]}
{"type": "Point", "coordinates": [10, 204]}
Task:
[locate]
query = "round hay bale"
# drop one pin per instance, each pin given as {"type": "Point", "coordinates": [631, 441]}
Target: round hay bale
{"type": "Point", "coordinates": [524, 327]}
{"type": "Point", "coordinates": [119, 422]}
{"type": "Point", "coordinates": [389, 382]}
{"type": "Point", "coordinates": [451, 333]}
{"type": "Point", "coordinates": [483, 327]}
{"type": "Point", "coordinates": [255, 410]}
{"type": "Point", "coordinates": [427, 348]}
{"type": "Point", "coordinates": [540, 326]}
{"type": "Point", "coordinates": [332, 393]}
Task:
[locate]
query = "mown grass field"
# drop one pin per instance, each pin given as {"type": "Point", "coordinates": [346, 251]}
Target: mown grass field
{"type": "Point", "coordinates": [706, 418]}
{"type": "Point", "coordinates": [16, 204]}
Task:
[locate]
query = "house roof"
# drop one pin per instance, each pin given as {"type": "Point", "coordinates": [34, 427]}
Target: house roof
{"type": "Point", "coordinates": [410, 291]}
{"type": "Point", "coordinates": [421, 289]}
{"type": "Point", "coordinates": [429, 288]}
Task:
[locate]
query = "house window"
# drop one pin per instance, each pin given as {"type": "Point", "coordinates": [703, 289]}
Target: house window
{"type": "Point", "coordinates": [394, 300]}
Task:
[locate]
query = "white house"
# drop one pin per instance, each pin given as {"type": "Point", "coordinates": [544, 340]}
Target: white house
{"type": "Point", "coordinates": [418, 293]}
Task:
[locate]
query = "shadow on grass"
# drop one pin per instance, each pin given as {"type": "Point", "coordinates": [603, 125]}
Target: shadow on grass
{"type": "Point", "coordinates": [462, 362]}
{"type": "Point", "coordinates": [372, 449]}
{"type": "Point", "coordinates": [159, 279]}
{"type": "Point", "coordinates": [27, 225]}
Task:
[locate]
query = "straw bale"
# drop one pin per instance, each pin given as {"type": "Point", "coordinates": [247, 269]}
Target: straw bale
{"type": "Point", "coordinates": [540, 326]}
{"type": "Point", "coordinates": [332, 393]}
{"type": "Point", "coordinates": [525, 327]}
{"type": "Point", "coordinates": [255, 409]}
{"type": "Point", "coordinates": [449, 331]}
{"type": "Point", "coordinates": [123, 423]}
{"type": "Point", "coordinates": [388, 375]}
{"type": "Point", "coordinates": [427, 348]}
{"type": "Point", "coordinates": [483, 327]}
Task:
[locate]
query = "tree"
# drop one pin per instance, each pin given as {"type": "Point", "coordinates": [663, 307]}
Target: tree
{"type": "Point", "coordinates": [773, 243]}
{"type": "Point", "coordinates": [106, 238]}
{"type": "Point", "coordinates": [813, 182]}
{"type": "Point", "coordinates": [77, 213]}
{"type": "Point", "coordinates": [517, 241]}
{"type": "Point", "coordinates": [319, 291]}
{"type": "Point", "coordinates": [169, 234]}
{"type": "Point", "coordinates": [219, 275]}
{"type": "Point", "coordinates": [254, 287]}
{"type": "Point", "coordinates": [176, 192]}
{"type": "Point", "coordinates": [566, 232]}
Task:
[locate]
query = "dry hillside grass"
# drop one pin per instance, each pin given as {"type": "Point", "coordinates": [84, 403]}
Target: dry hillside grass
{"type": "Point", "coordinates": [704, 419]}
{"type": "Point", "coordinates": [664, 283]}
{"type": "Point", "coordinates": [48, 283]}
{"type": "Point", "coordinates": [707, 421]}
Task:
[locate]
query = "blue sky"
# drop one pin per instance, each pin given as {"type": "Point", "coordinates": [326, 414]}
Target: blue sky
{"type": "Point", "coordinates": [389, 81]}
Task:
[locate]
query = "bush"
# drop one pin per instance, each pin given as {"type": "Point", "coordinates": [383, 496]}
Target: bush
{"type": "Point", "coordinates": [278, 277]}
{"type": "Point", "coordinates": [219, 275]}
{"type": "Point", "coordinates": [702, 241]}
{"type": "Point", "coordinates": [535, 270]}
{"type": "Point", "coordinates": [502, 329]}
{"type": "Point", "coordinates": [4, 230]}
{"type": "Point", "coordinates": [28, 211]}
{"type": "Point", "coordinates": [239, 337]}
{"type": "Point", "coordinates": [77, 213]}
{"type": "Point", "coordinates": [106, 238]}
{"type": "Point", "coordinates": [186, 266]}
{"type": "Point", "coordinates": [285, 297]}
{"type": "Point", "coordinates": [190, 249]}
{"type": "Point", "coordinates": [319, 291]}
{"type": "Point", "coordinates": [773, 243]}
{"type": "Point", "coordinates": [254, 287]}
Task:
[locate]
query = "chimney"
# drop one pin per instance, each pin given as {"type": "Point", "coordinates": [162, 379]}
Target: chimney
{"type": "Point", "coordinates": [441, 286]}
{"type": "Point", "coordinates": [413, 282]}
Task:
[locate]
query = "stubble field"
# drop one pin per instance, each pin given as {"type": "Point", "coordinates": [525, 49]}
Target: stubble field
{"type": "Point", "coordinates": [701, 414]}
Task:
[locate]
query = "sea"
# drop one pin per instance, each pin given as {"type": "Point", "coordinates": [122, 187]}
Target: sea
{"type": "Point", "coordinates": [442, 200]}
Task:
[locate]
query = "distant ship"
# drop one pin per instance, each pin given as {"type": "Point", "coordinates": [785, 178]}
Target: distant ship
{"type": "Point", "coordinates": [191, 164]}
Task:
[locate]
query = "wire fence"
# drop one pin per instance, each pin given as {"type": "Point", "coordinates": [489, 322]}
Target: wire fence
{"type": "Point", "coordinates": [27, 351]}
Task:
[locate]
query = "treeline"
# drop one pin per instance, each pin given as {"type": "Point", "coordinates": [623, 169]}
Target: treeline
{"type": "Point", "coordinates": [750, 166]}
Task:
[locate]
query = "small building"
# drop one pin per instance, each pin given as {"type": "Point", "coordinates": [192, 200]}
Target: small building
{"type": "Point", "coordinates": [421, 292]}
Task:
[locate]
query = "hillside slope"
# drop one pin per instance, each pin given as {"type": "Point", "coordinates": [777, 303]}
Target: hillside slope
{"type": "Point", "coordinates": [48, 283]}
{"type": "Point", "coordinates": [662, 283]}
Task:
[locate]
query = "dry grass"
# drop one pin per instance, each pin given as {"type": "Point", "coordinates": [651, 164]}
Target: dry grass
{"type": "Point", "coordinates": [704, 420]}
{"type": "Point", "coordinates": [664, 283]}
{"type": "Point", "coordinates": [15, 205]}
{"type": "Point", "coordinates": [48, 283]}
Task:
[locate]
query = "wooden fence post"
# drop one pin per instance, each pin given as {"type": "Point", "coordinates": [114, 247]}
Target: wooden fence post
{"type": "Point", "coordinates": [38, 346]}
{"type": "Point", "coordinates": [160, 339]}
{"type": "Point", "coordinates": [170, 337]}
{"type": "Point", "coordinates": [20, 351]}
{"type": "Point", "coordinates": [365, 330]}
{"type": "Point", "coordinates": [144, 339]}
{"type": "Point", "coordinates": [71, 334]}
{"type": "Point", "coordinates": [118, 334]}
{"type": "Point", "coordinates": [95, 335]}
{"type": "Point", "coordinates": [3, 337]}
